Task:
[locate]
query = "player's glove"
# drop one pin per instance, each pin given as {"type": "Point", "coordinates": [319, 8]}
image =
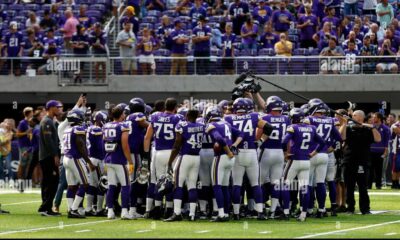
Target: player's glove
{"type": "Point", "coordinates": [130, 169]}
{"type": "Point", "coordinates": [146, 158]}
{"type": "Point", "coordinates": [234, 150]}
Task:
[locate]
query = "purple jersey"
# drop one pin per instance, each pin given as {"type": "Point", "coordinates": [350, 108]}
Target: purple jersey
{"type": "Point", "coordinates": [252, 38]}
{"type": "Point", "coordinates": [96, 144]}
{"type": "Point", "coordinates": [268, 40]}
{"type": "Point", "coordinates": [148, 46]}
{"type": "Point", "coordinates": [192, 137]}
{"type": "Point", "coordinates": [112, 135]}
{"type": "Point", "coordinates": [202, 32]}
{"type": "Point", "coordinates": [326, 129]}
{"type": "Point", "coordinates": [302, 137]}
{"type": "Point", "coordinates": [278, 18]}
{"type": "Point", "coordinates": [178, 48]}
{"type": "Point", "coordinates": [164, 134]}
{"type": "Point", "coordinates": [279, 123]}
{"type": "Point", "coordinates": [195, 14]}
{"type": "Point", "coordinates": [136, 132]}
{"type": "Point", "coordinates": [247, 124]}
{"type": "Point", "coordinates": [207, 140]}
{"type": "Point", "coordinates": [335, 22]}
{"type": "Point", "coordinates": [262, 15]}
{"type": "Point", "coordinates": [35, 138]}
{"type": "Point", "coordinates": [24, 141]}
{"type": "Point", "coordinates": [384, 143]}
{"type": "Point", "coordinates": [69, 141]}
{"type": "Point", "coordinates": [227, 42]}
{"type": "Point", "coordinates": [223, 133]}
{"type": "Point", "coordinates": [237, 9]}
{"type": "Point", "coordinates": [14, 43]}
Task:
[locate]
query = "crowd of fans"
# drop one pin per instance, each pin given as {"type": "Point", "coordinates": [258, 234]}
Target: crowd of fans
{"type": "Point", "coordinates": [205, 28]}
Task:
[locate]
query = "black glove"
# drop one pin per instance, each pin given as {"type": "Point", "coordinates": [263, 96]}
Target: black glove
{"type": "Point", "coordinates": [234, 150]}
{"type": "Point", "coordinates": [146, 158]}
{"type": "Point", "coordinates": [256, 88]}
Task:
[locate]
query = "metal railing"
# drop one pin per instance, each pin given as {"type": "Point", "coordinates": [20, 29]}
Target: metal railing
{"type": "Point", "coordinates": [71, 69]}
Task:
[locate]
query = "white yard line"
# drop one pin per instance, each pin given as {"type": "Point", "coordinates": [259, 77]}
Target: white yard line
{"type": "Point", "coordinates": [265, 232]}
{"type": "Point", "coordinates": [390, 234]}
{"type": "Point", "coordinates": [143, 231]}
{"type": "Point", "coordinates": [349, 229]}
{"type": "Point", "coordinates": [20, 203]}
{"type": "Point", "coordinates": [82, 231]}
{"type": "Point", "coordinates": [13, 191]}
{"type": "Point", "coordinates": [54, 227]}
{"type": "Point", "coordinates": [203, 231]}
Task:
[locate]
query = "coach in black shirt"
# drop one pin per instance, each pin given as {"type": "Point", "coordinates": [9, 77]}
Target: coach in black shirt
{"type": "Point", "coordinates": [49, 157]}
{"type": "Point", "coordinates": [358, 139]}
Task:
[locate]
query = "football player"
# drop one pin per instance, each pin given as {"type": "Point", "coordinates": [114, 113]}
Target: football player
{"type": "Point", "coordinates": [301, 136]}
{"type": "Point", "coordinates": [76, 161]}
{"type": "Point", "coordinates": [271, 156]}
{"type": "Point", "coordinates": [97, 155]}
{"type": "Point", "coordinates": [327, 130]}
{"type": "Point", "coordinates": [162, 127]}
{"type": "Point", "coordinates": [138, 124]}
{"type": "Point", "coordinates": [222, 135]}
{"type": "Point", "coordinates": [118, 154]}
{"type": "Point", "coordinates": [247, 160]}
{"type": "Point", "coordinates": [188, 142]}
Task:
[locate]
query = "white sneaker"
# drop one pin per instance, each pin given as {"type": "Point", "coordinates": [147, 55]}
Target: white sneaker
{"type": "Point", "coordinates": [110, 214]}
{"type": "Point", "coordinates": [81, 211]}
{"type": "Point", "coordinates": [126, 216]}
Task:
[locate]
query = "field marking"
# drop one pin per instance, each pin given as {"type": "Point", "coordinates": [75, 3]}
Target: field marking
{"type": "Point", "coordinates": [265, 232]}
{"type": "Point", "coordinates": [13, 191]}
{"type": "Point", "coordinates": [143, 231]}
{"type": "Point", "coordinates": [83, 231]}
{"type": "Point", "coordinates": [348, 230]}
{"type": "Point", "coordinates": [20, 203]}
{"type": "Point", "coordinates": [54, 227]}
{"type": "Point", "coordinates": [202, 231]}
{"type": "Point", "coordinates": [390, 234]}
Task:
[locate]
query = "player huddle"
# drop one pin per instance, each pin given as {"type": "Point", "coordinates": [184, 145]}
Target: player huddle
{"type": "Point", "coordinates": [203, 162]}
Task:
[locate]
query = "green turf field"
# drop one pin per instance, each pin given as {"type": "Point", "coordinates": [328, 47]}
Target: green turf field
{"type": "Point", "coordinates": [24, 222]}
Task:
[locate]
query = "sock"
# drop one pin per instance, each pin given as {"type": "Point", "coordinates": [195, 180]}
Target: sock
{"type": "Point", "coordinates": [100, 200]}
{"type": "Point", "coordinates": [91, 191]}
{"type": "Point", "coordinates": [70, 197]}
{"type": "Point", "coordinates": [192, 209]}
{"type": "Point", "coordinates": [133, 195]}
{"type": "Point", "coordinates": [150, 197]}
{"type": "Point", "coordinates": [250, 204]}
{"type": "Point", "coordinates": [78, 198]}
{"type": "Point", "coordinates": [125, 196]}
{"type": "Point", "coordinates": [304, 197]}
{"type": "Point", "coordinates": [221, 212]}
{"type": "Point", "coordinates": [236, 199]}
{"type": "Point", "coordinates": [321, 196]}
{"type": "Point", "coordinates": [204, 194]}
{"type": "Point", "coordinates": [157, 203]}
{"type": "Point", "coordinates": [169, 204]}
{"type": "Point", "coordinates": [227, 198]}
{"type": "Point", "coordinates": [215, 205]}
{"type": "Point", "coordinates": [311, 190]}
{"type": "Point", "coordinates": [274, 197]}
{"type": "Point", "coordinates": [219, 197]}
{"type": "Point", "coordinates": [286, 199]}
{"type": "Point", "coordinates": [110, 196]}
{"type": "Point", "coordinates": [203, 205]}
{"type": "Point", "coordinates": [178, 195]}
{"type": "Point", "coordinates": [332, 192]}
{"type": "Point", "coordinates": [266, 191]}
{"type": "Point", "coordinates": [257, 193]}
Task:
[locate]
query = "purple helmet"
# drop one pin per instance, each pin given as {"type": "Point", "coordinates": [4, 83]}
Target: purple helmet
{"type": "Point", "coordinates": [240, 105]}
{"type": "Point", "coordinates": [182, 111]}
{"type": "Point", "coordinates": [75, 116]}
{"type": "Point", "coordinates": [273, 103]}
{"type": "Point", "coordinates": [250, 104]}
{"type": "Point", "coordinates": [306, 108]}
{"type": "Point", "coordinates": [212, 112]}
{"type": "Point", "coordinates": [223, 105]}
{"type": "Point", "coordinates": [137, 105]}
{"type": "Point", "coordinates": [148, 109]}
{"type": "Point", "coordinates": [125, 107]}
{"type": "Point", "coordinates": [316, 106]}
{"type": "Point", "coordinates": [296, 115]}
{"type": "Point", "coordinates": [285, 108]}
{"type": "Point", "coordinates": [165, 184]}
{"type": "Point", "coordinates": [100, 117]}
{"type": "Point", "coordinates": [200, 106]}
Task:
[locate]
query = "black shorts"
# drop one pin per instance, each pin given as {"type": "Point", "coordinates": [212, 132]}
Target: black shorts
{"type": "Point", "coordinates": [339, 171]}
{"type": "Point", "coordinates": [227, 64]}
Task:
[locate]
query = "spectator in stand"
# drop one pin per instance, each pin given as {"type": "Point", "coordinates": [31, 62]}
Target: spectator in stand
{"type": "Point", "coordinates": [282, 19]}
{"type": "Point", "coordinates": [217, 33]}
{"type": "Point", "coordinates": [146, 46]}
{"type": "Point", "coordinates": [126, 40]}
{"type": "Point", "coordinates": [14, 48]}
{"type": "Point", "coordinates": [350, 7]}
{"type": "Point", "coordinates": [369, 7]}
{"type": "Point", "coordinates": [358, 32]}
{"type": "Point", "coordinates": [394, 40]}
{"type": "Point", "coordinates": [318, 7]}
{"type": "Point", "coordinates": [335, 21]}
{"type": "Point", "coordinates": [136, 4]}
{"type": "Point", "coordinates": [69, 28]}
{"type": "Point", "coordinates": [56, 15]}
{"type": "Point", "coordinates": [387, 63]}
{"type": "Point", "coordinates": [164, 31]}
{"type": "Point", "coordinates": [238, 11]}
{"type": "Point", "coordinates": [369, 64]}
{"type": "Point", "coordinates": [378, 151]}
{"type": "Point", "coordinates": [34, 48]}
{"type": "Point", "coordinates": [6, 136]}
{"type": "Point", "coordinates": [80, 46]}
{"type": "Point", "coordinates": [158, 5]}
{"type": "Point", "coordinates": [352, 37]}
{"type": "Point", "coordinates": [249, 35]}
{"type": "Point", "coordinates": [308, 25]}
{"type": "Point", "coordinates": [344, 28]}
{"type": "Point", "coordinates": [365, 25]}
{"type": "Point", "coordinates": [379, 33]}
{"type": "Point", "coordinates": [268, 39]}
{"type": "Point", "coordinates": [352, 64]}
{"type": "Point", "coordinates": [323, 36]}
{"type": "Point", "coordinates": [201, 40]}
{"type": "Point", "coordinates": [130, 17]}
{"type": "Point", "coordinates": [262, 13]}
{"type": "Point", "coordinates": [51, 53]}
{"type": "Point", "coordinates": [47, 22]}
{"type": "Point", "coordinates": [83, 18]}
{"type": "Point", "coordinates": [283, 47]}
{"type": "Point", "coordinates": [219, 8]}
{"type": "Point", "coordinates": [385, 13]}
{"type": "Point", "coordinates": [98, 42]}
{"type": "Point", "coordinates": [24, 136]}
{"type": "Point", "coordinates": [196, 11]}
{"type": "Point", "coordinates": [228, 50]}
{"type": "Point", "coordinates": [331, 50]}
{"type": "Point", "coordinates": [32, 20]}
{"type": "Point", "coordinates": [179, 38]}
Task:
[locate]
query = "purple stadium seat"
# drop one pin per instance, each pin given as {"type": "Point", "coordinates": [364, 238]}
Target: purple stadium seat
{"type": "Point", "coordinates": [95, 14]}
{"type": "Point", "coordinates": [46, 7]}
{"type": "Point", "coordinates": [11, 13]}
{"type": "Point", "coordinates": [157, 25]}
{"type": "Point", "coordinates": [20, 18]}
{"type": "Point", "coordinates": [32, 7]}
{"type": "Point", "coordinates": [98, 7]}
{"type": "Point", "coordinates": [150, 19]}
{"type": "Point", "coordinates": [145, 25]}
{"type": "Point", "coordinates": [297, 65]}
{"type": "Point", "coordinates": [16, 7]}
{"type": "Point", "coordinates": [283, 66]}
{"type": "Point", "coordinates": [185, 19]}
{"type": "Point", "coordinates": [154, 13]}
{"type": "Point", "coordinates": [300, 52]}
{"type": "Point", "coordinates": [8, 1]}
{"type": "Point", "coordinates": [170, 13]}
{"type": "Point", "coordinates": [293, 31]}
{"type": "Point", "coordinates": [266, 52]}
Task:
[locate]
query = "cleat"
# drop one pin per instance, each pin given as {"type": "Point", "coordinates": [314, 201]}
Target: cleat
{"type": "Point", "coordinates": [341, 209]}
{"type": "Point", "coordinates": [220, 219]}
{"type": "Point", "coordinates": [75, 214]}
{"type": "Point", "coordinates": [325, 214]}
{"type": "Point", "coordinates": [214, 215]}
{"type": "Point", "coordinates": [284, 217]}
{"type": "Point", "coordinates": [147, 215]}
{"type": "Point", "coordinates": [90, 213]}
{"type": "Point", "coordinates": [174, 218]}
{"type": "Point", "coordinates": [192, 218]}
{"type": "Point", "coordinates": [168, 213]}
{"type": "Point", "coordinates": [203, 216]}
{"type": "Point", "coordinates": [126, 216]}
{"type": "Point", "coordinates": [100, 213]}
{"type": "Point", "coordinates": [301, 219]}
{"type": "Point", "coordinates": [236, 217]}
{"type": "Point", "coordinates": [366, 213]}
{"type": "Point", "coordinates": [261, 217]}
{"type": "Point", "coordinates": [157, 213]}
{"type": "Point", "coordinates": [319, 214]}
{"type": "Point", "coordinates": [50, 214]}
{"type": "Point", "coordinates": [110, 215]}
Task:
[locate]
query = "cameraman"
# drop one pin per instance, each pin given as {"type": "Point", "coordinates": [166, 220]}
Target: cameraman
{"type": "Point", "coordinates": [387, 63]}
{"type": "Point", "coordinates": [357, 142]}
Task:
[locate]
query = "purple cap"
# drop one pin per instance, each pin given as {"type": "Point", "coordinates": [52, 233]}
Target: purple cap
{"type": "Point", "coordinates": [53, 103]}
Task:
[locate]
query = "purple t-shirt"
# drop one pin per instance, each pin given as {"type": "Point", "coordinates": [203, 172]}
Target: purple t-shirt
{"type": "Point", "coordinates": [192, 137]}
{"type": "Point", "coordinates": [279, 123]}
{"type": "Point", "coordinates": [14, 43]}
{"type": "Point", "coordinates": [201, 32]}
{"type": "Point", "coordinates": [384, 143]}
{"type": "Point", "coordinates": [136, 132]}
{"type": "Point", "coordinates": [308, 32]}
{"type": "Point", "coordinates": [302, 137]}
{"type": "Point", "coordinates": [69, 141]}
{"type": "Point", "coordinates": [177, 47]}
{"type": "Point", "coordinates": [164, 125]}
{"type": "Point", "coordinates": [237, 9]}
{"type": "Point", "coordinates": [278, 16]}
{"type": "Point", "coordinates": [335, 22]}
{"type": "Point", "coordinates": [250, 39]}
{"type": "Point", "coordinates": [318, 9]}
{"type": "Point", "coordinates": [112, 134]}
{"type": "Point", "coordinates": [262, 15]}
{"type": "Point", "coordinates": [35, 138]}
{"type": "Point", "coordinates": [326, 129]}
{"type": "Point", "coordinates": [96, 144]}
{"type": "Point", "coordinates": [324, 39]}
{"type": "Point", "coordinates": [195, 14]}
{"type": "Point", "coordinates": [247, 125]}
{"type": "Point", "coordinates": [269, 39]}
{"type": "Point", "coordinates": [23, 142]}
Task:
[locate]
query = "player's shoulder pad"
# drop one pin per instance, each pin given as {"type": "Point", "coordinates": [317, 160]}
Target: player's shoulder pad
{"type": "Point", "coordinates": [210, 127]}
{"type": "Point", "coordinates": [80, 130]}
{"type": "Point", "coordinates": [124, 126]}
{"type": "Point", "coordinates": [307, 120]}
{"type": "Point", "coordinates": [140, 117]}
{"type": "Point", "coordinates": [290, 129]}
